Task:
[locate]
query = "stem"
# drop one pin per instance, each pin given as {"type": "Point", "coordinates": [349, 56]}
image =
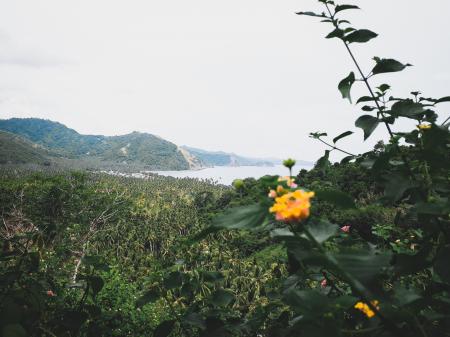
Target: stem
{"type": "Point", "coordinates": [336, 148]}
{"type": "Point", "coordinates": [376, 99]}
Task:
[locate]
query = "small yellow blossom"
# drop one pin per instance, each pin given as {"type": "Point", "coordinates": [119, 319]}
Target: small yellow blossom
{"type": "Point", "coordinates": [424, 126]}
{"type": "Point", "coordinates": [366, 309]}
{"type": "Point", "coordinates": [292, 206]}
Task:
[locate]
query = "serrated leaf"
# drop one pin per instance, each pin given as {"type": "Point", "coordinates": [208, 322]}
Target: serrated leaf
{"type": "Point", "coordinates": [340, 8]}
{"type": "Point", "coordinates": [368, 124]}
{"type": "Point", "coordinates": [342, 135]}
{"type": "Point", "coordinates": [388, 66]}
{"type": "Point", "coordinates": [360, 36]}
{"type": "Point", "coordinates": [245, 217]}
{"type": "Point", "coordinates": [346, 85]}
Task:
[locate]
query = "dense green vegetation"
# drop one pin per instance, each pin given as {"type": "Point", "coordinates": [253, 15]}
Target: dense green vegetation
{"type": "Point", "coordinates": [356, 248]}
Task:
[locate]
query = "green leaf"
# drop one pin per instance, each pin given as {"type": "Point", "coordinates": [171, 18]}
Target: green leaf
{"type": "Point", "coordinates": [368, 108]}
{"type": "Point", "coordinates": [164, 329]}
{"type": "Point", "coordinates": [245, 217]}
{"type": "Point", "coordinates": [311, 14]}
{"type": "Point", "coordinates": [322, 230]}
{"type": "Point", "coordinates": [365, 99]}
{"type": "Point", "coordinates": [340, 8]}
{"type": "Point", "coordinates": [222, 298]}
{"type": "Point", "coordinates": [149, 297]}
{"type": "Point", "coordinates": [337, 198]}
{"type": "Point", "coordinates": [388, 66]}
{"type": "Point", "coordinates": [194, 320]}
{"type": "Point", "coordinates": [360, 36]}
{"type": "Point", "coordinates": [14, 330]}
{"type": "Point", "coordinates": [407, 108]}
{"type": "Point", "coordinates": [368, 124]}
{"type": "Point", "coordinates": [395, 187]}
{"type": "Point", "coordinates": [307, 302]}
{"type": "Point", "coordinates": [339, 33]}
{"type": "Point", "coordinates": [384, 87]}
{"type": "Point", "coordinates": [443, 99]}
{"type": "Point", "coordinates": [345, 86]}
{"type": "Point", "coordinates": [342, 135]}
{"type": "Point", "coordinates": [362, 265]}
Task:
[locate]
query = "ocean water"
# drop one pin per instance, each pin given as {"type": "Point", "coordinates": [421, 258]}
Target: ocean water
{"type": "Point", "coordinates": [226, 174]}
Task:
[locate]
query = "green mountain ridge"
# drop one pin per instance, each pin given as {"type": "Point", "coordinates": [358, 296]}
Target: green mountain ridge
{"type": "Point", "coordinates": [40, 141]}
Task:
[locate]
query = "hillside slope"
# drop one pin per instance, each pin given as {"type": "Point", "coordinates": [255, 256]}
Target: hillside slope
{"type": "Point", "coordinates": [16, 150]}
{"type": "Point", "coordinates": [141, 149]}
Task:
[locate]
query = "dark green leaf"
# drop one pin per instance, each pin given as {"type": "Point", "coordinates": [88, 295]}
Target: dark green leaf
{"type": "Point", "coordinates": [222, 298]}
{"type": "Point", "coordinates": [340, 8]}
{"type": "Point", "coordinates": [148, 297]}
{"type": "Point", "coordinates": [342, 135]}
{"type": "Point", "coordinates": [395, 187]}
{"type": "Point", "coordinates": [362, 265]}
{"type": "Point", "coordinates": [407, 108]}
{"type": "Point", "coordinates": [311, 14]}
{"type": "Point", "coordinates": [339, 33]}
{"type": "Point", "coordinates": [388, 66]}
{"type": "Point", "coordinates": [368, 108]}
{"type": "Point", "coordinates": [368, 124]}
{"type": "Point", "coordinates": [360, 36]}
{"type": "Point", "coordinates": [384, 87]}
{"type": "Point", "coordinates": [443, 99]}
{"type": "Point", "coordinates": [307, 302]}
{"type": "Point", "coordinates": [245, 217]}
{"type": "Point", "coordinates": [347, 159]}
{"type": "Point", "coordinates": [345, 86]}
{"type": "Point", "coordinates": [194, 320]}
{"type": "Point", "coordinates": [14, 330]}
{"type": "Point", "coordinates": [322, 230]}
{"type": "Point", "coordinates": [164, 329]}
{"type": "Point", "coordinates": [337, 198]}
{"type": "Point", "coordinates": [365, 99]}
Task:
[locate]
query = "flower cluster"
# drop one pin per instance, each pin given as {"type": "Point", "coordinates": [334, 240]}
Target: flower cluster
{"type": "Point", "coordinates": [292, 206]}
{"type": "Point", "coordinates": [366, 309]}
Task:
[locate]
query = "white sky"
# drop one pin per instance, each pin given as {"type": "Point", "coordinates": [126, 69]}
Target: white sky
{"type": "Point", "coordinates": [247, 76]}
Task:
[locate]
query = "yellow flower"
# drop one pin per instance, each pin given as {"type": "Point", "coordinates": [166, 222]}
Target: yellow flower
{"type": "Point", "coordinates": [292, 206]}
{"type": "Point", "coordinates": [366, 309]}
{"type": "Point", "coordinates": [424, 126]}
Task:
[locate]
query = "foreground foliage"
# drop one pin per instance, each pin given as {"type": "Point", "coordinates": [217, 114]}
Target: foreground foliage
{"type": "Point", "coordinates": [347, 249]}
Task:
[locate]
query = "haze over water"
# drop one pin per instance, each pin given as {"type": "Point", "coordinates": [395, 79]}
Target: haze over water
{"type": "Point", "coordinates": [226, 174]}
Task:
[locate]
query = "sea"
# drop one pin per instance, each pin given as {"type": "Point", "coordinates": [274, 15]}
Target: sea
{"type": "Point", "coordinates": [227, 174]}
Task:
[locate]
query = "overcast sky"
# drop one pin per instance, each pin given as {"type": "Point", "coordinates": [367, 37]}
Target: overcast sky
{"type": "Point", "coordinates": [247, 76]}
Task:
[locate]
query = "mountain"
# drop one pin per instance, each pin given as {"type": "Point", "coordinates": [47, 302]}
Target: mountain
{"type": "Point", "coordinates": [16, 150]}
{"type": "Point", "coordinates": [219, 158]}
{"type": "Point", "coordinates": [142, 150]}
{"type": "Point", "coordinates": [39, 141]}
